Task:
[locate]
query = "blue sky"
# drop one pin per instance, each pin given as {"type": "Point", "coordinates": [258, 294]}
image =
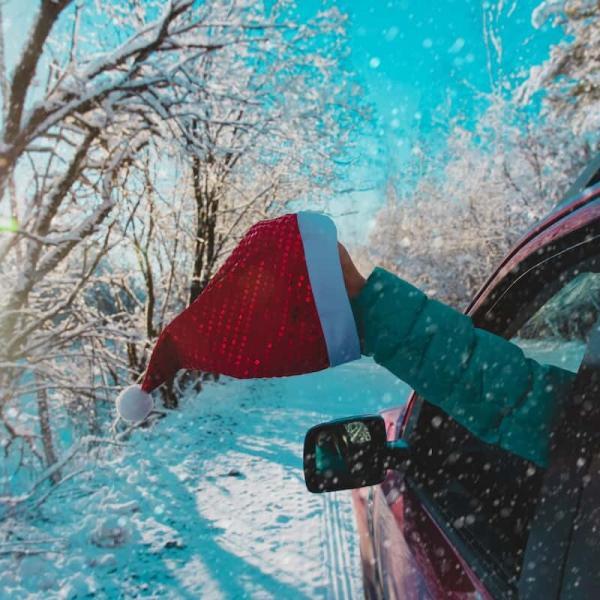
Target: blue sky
{"type": "Point", "coordinates": [412, 57]}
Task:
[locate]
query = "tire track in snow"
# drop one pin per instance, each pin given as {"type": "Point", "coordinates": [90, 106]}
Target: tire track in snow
{"type": "Point", "coordinates": [338, 566]}
{"type": "Point", "coordinates": [330, 562]}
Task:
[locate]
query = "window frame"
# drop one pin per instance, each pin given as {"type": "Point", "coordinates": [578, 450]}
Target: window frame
{"type": "Point", "coordinates": [529, 281]}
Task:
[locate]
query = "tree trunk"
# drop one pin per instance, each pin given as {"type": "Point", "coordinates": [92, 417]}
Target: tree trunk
{"type": "Point", "coordinates": [169, 397]}
{"type": "Point", "coordinates": [204, 252]}
{"type": "Point", "coordinates": [207, 204]}
{"type": "Point", "coordinates": [46, 430]}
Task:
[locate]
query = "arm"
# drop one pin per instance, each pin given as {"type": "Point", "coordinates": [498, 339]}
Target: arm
{"type": "Point", "coordinates": [480, 379]}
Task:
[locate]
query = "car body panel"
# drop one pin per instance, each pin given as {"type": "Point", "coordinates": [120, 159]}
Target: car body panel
{"type": "Point", "coordinates": [405, 554]}
{"type": "Point", "coordinates": [393, 519]}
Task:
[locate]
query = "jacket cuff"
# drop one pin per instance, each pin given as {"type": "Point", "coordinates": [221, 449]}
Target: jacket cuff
{"type": "Point", "coordinates": [363, 304]}
{"type": "Point", "coordinates": [385, 298]}
{"type": "Point", "coordinates": [360, 304]}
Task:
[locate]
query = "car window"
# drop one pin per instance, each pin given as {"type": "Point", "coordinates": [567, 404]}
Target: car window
{"type": "Point", "coordinates": [556, 334]}
{"type": "Point", "coordinates": [487, 496]}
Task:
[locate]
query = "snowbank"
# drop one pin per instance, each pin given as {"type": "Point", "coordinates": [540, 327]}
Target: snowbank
{"type": "Point", "coordinates": [208, 503]}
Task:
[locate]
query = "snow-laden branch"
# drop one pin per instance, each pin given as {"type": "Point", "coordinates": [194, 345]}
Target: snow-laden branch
{"type": "Point", "coordinates": [143, 163]}
{"type": "Point", "coordinates": [9, 504]}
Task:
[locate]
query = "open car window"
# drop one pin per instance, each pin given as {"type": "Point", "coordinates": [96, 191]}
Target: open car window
{"type": "Point", "coordinates": [556, 334]}
{"type": "Point", "coordinates": [484, 495]}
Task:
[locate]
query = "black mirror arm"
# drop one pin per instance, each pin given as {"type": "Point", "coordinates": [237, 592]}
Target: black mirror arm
{"type": "Point", "coordinates": [397, 455]}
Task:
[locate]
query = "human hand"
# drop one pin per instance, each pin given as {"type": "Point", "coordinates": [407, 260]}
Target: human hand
{"type": "Point", "coordinates": [352, 278]}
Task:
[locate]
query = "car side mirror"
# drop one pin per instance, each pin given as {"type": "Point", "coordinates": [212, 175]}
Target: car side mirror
{"type": "Point", "coordinates": [350, 453]}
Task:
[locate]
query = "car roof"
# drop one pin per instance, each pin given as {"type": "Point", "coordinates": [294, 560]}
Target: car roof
{"type": "Point", "coordinates": [561, 210]}
{"type": "Point", "coordinates": [585, 190]}
{"type": "Point", "coordinates": [589, 177]}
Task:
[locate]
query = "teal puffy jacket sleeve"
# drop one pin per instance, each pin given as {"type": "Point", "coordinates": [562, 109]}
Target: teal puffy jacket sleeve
{"type": "Point", "coordinates": [481, 380]}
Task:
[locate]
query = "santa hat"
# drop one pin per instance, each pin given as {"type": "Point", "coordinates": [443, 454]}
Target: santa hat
{"type": "Point", "coordinates": [277, 307]}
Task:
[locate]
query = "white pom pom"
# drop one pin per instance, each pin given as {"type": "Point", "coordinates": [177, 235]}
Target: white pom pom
{"type": "Point", "coordinates": [134, 404]}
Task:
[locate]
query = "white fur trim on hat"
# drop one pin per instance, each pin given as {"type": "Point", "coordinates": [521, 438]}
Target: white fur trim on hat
{"type": "Point", "coordinates": [134, 404]}
{"type": "Point", "coordinates": [319, 239]}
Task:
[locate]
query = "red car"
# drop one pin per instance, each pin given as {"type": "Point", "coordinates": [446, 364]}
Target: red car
{"type": "Point", "coordinates": [458, 518]}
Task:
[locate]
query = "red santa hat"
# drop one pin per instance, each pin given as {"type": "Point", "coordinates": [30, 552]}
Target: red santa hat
{"type": "Point", "coordinates": [277, 307]}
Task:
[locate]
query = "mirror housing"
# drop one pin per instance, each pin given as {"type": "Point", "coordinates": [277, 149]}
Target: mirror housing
{"type": "Point", "coordinates": [350, 453]}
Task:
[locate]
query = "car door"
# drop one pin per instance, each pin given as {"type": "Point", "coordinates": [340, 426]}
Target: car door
{"type": "Point", "coordinates": [562, 558]}
{"type": "Point", "coordinates": [580, 571]}
{"type": "Point", "coordinates": [484, 501]}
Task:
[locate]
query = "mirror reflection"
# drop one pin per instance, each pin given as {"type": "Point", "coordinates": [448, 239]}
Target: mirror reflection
{"type": "Point", "coordinates": [345, 454]}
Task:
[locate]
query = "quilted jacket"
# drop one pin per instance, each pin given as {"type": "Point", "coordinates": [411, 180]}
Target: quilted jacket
{"type": "Point", "coordinates": [481, 380]}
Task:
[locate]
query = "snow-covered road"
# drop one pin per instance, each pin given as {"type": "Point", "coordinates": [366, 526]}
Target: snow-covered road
{"type": "Point", "coordinates": [210, 502]}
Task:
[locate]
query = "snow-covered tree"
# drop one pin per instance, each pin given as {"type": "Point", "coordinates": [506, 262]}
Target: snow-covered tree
{"type": "Point", "coordinates": [140, 140]}
{"type": "Point", "coordinates": [569, 80]}
{"type": "Point", "coordinates": [452, 214]}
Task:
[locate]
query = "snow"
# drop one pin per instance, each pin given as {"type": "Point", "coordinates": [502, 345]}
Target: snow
{"type": "Point", "coordinates": [560, 353]}
{"type": "Point", "coordinates": [209, 502]}
{"type": "Point", "coordinates": [545, 10]}
{"type": "Point", "coordinates": [457, 46]}
{"type": "Point", "coordinates": [391, 33]}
